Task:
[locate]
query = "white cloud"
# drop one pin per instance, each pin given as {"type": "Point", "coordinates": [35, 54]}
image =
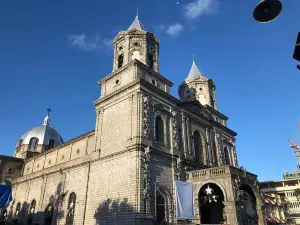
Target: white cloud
{"type": "Point", "coordinates": [199, 7]}
{"type": "Point", "coordinates": [89, 44]}
{"type": "Point", "coordinates": [174, 29]}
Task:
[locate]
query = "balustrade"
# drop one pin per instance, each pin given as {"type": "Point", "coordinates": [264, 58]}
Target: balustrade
{"type": "Point", "coordinates": [220, 171]}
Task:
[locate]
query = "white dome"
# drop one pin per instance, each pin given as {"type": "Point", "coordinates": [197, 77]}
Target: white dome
{"type": "Point", "coordinates": [44, 133]}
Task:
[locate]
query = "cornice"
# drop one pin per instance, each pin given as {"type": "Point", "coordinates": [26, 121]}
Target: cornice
{"type": "Point", "coordinates": [90, 133]}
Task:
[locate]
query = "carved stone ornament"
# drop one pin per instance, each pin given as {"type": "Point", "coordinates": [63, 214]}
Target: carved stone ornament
{"type": "Point", "coordinates": [175, 130]}
{"type": "Point", "coordinates": [235, 157]}
{"type": "Point", "coordinates": [147, 174]}
{"type": "Point", "coordinates": [220, 154]}
{"type": "Point", "coordinates": [146, 116]}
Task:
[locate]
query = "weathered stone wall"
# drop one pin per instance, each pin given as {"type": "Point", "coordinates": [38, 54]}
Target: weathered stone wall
{"type": "Point", "coordinates": [10, 168]}
{"type": "Point", "coordinates": [103, 187]}
{"type": "Point", "coordinates": [71, 150]}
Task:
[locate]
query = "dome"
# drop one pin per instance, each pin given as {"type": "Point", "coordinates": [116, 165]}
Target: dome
{"type": "Point", "coordinates": [44, 133]}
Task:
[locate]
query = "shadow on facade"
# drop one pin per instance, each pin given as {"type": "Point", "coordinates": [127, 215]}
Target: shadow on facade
{"type": "Point", "coordinates": [26, 214]}
{"type": "Point", "coordinates": [115, 212]}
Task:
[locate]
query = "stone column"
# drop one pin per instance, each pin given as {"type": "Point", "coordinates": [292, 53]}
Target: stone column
{"type": "Point", "coordinates": [184, 134]}
{"type": "Point", "coordinates": [261, 215]}
{"type": "Point", "coordinates": [197, 210]}
{"type": "Point", "coordinates": [188, 136]}
{"type": "Point", "coordinates": [98, 129]}
{"type": "Point", "coordinates": [231, 213]}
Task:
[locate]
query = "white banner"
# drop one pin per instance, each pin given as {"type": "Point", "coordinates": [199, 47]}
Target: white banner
{"type": "Point", "coordinates": [185, 209]}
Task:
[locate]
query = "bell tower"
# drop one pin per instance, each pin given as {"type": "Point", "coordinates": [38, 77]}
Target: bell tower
{"type": "Point", "coordinates": [136, 43]}
{"type": "Point", "coordinates": [197, 87]}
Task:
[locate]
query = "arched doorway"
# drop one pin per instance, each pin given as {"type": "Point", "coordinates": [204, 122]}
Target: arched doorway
{"type": "Point", "coordinates": [211, 204]}
{"type": "Point", "coordinates": [248, 207]}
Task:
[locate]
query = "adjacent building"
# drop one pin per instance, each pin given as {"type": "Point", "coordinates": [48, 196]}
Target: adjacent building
{"type": "Point", "coordinates": [288, 203]}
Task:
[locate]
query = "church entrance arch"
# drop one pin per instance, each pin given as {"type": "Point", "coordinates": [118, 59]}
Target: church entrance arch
{"type": "Point", "coordinates": [211, 204]}
{"type": "Point", "coordinates": [248, 206]}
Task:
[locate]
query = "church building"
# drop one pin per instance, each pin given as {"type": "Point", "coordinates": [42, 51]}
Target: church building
{"type": "Point", "coordinates": [124, 171]}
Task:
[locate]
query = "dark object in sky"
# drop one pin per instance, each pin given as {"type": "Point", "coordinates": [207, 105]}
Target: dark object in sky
{"type": "Point", "coordinates": [267, 11]}
{"type": "Point", "coordinates": [298, 66]}
{"type": "Point", "coordinates": [297, 49]}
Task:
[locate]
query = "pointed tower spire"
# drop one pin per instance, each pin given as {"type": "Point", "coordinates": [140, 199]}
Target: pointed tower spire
{"type": "Point", "coordinates": [194, 72]}
{"type": "Point", "coordinates": [47, 118]}
{"type": "Point", "coordinates": [137, 24]}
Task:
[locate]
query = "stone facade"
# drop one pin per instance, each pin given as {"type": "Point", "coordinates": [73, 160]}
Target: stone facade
{"type": "Point", "coordinates": [123, 172]}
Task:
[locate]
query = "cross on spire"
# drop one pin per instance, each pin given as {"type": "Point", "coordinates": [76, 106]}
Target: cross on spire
{"type": "Point", "coordinates": [48, 110]}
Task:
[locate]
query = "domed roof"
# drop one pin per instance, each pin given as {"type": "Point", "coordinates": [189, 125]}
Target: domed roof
{"type": "Point", "coordinates": [44, 133]}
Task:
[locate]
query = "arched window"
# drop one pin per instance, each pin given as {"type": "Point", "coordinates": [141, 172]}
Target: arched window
{"type": "Point", "coordinates": [150, 60]}
{"type": "Point", "coordinates": [226, 156]}
{"type": "Point", "coordinates": [120, 60]}
{"type": "Point", "coordinates": [51, 144]}
{"type": "Point", "coordinates": [31, 212]}
{"type": "Point", "coordinates": [159, 129]}
{"type": "Point", "coordinates": [160, 208]}
{"type": "Point", "coordinates": [71, 209]}
{"type": "Point", "coordinates": [33, 143]}
{"type": "Point", "coordinates": [198, 146]}
{"type": "Point", "coordinates": [4, 216]}
{"type": "Point", "coordinates": [48, 214]}
{"type": "Point", "coordinates": [17, 212]}
{"type": "Point", "coordinates": [215, 153]}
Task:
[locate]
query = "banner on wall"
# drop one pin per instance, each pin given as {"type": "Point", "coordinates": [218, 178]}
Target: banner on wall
{"type": "Point", "coordinates": [185, 209]}
{"type": "Point", "coordinates": [5, 195]}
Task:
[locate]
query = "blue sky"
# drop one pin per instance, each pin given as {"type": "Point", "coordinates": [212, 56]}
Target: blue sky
{"type": "Point", "coordinates": [52, 53]}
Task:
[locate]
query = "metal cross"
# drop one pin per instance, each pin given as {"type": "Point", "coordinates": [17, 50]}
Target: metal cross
{"type": "Point", "coordinates": [49, 110]}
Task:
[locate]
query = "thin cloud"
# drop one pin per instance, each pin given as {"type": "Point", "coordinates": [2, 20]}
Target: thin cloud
{"type": "Point", "coordinates": [198, 8]}
{"type": "Point", "coordinates": [107, 43]}
{"type": "Point", "coordinates": [174, 29]}
{"type": "Point", "coordinates": [89, 44]}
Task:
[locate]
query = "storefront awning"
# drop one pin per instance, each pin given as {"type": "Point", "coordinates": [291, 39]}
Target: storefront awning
{"type": "Point", "coordinates": [5, 195]}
